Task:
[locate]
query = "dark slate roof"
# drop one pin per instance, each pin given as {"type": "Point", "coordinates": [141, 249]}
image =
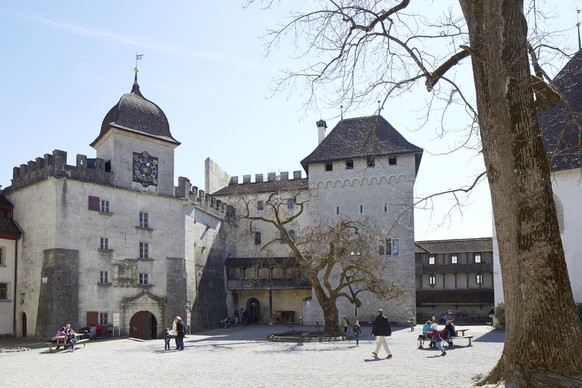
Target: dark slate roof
{"type": "Point", "coordinates": [561, 135]}
{"type": "Point", "coordinates": [5, 202]}
{"type": "Point", "coordinates": [361, 137]}
{"type": "Point", "coordinates": [484, 244]}
{"type": "Point", "coordinates": [137, 114]}
{"type": "Point", "coordinates": [263, 187]}
{"type": "Point", "coordinates": [8, 228]}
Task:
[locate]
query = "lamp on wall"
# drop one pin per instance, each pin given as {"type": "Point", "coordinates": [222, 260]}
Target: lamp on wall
{"type": "Point", "coordinates": [44, 279]}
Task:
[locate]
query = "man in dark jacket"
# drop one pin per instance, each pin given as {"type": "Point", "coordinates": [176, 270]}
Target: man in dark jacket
{"type": "Point", "coordinates": [381, 329]}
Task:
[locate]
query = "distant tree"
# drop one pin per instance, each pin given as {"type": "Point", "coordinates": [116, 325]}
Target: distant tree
{"type": "Point", "coordinates": [368, 48]}
{"type": "Point", "coordinates": [340, 259]}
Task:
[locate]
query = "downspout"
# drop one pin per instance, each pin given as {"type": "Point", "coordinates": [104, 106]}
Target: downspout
{"type": "Point", "coordinates": [14, 298]}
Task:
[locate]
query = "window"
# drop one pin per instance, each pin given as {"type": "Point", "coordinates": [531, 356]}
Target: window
{"type": "Point", "coordinates": [144, 250]}
{"type": "Point", "coordinates": [328, 166]}
{"type": "Point", "coordinates": [349, 164]}
{"type": "Point", "coordinates": [292, 234]}
{"type": "Point", "coordinates": [477, 257]}
{"type": "Point", "coordinates": [104, 319]}
{"type": "Point", "coordinates": [385, 208]}
{"type": "Point", "coordinates": [454, 259]}
{"type": "Point", "coordinates": [432, 280]}
{"type": "Point", "coordinates": [257, 238]}
{"type": "Point", "coordinates": [388, 247]}
{"type": "Point", "coordinates": [2, 255]}
{"type": "Point", "coordinates": [143, 279]}
{"type": "Point", "coordinates": [392, 161]}
{"type": "Point", "coordinates": [337, 210]}
{"type": "Point", "coordinates": [3, 291]}
{"type": "Point", "coordinates": [370, 161]}
{"type": "Point", "coordinates": [260, 205]}
{"type": "Point", "coordinates": [103, 276]}
{"type": "Point", "coordinates": [282, 239]}
{"type": "Point", "coordinates": [104, 207]}
{"type": "Point", "coordinates": [104, 244]}
{"type": "Point", "coordinates": [431, 260]}
{"type": "Point", "coordinates": [361, 209]}
{"type": "Point", "coordinates": [290, 203]}
{"type": "Point", "coordinates": [479, 278]}
{"type": "Point", "coordinates": [143, 220]}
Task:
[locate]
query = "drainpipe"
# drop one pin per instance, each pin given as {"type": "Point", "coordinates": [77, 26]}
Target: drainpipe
{"type": "Point", "coordinates": [14, 297]}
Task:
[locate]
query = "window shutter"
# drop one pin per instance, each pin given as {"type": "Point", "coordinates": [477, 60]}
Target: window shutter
{"type": "Point", "coordinates": [94, 203]}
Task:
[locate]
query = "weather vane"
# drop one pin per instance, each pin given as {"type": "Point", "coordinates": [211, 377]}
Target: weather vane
{"type": "Point", "coordinates": [137, 58]}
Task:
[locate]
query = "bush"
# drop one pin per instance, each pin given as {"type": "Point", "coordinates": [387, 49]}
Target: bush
{"type": "Point", "coordinates": [500, 314]}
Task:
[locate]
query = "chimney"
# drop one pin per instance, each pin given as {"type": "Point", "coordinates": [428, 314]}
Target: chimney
{"type": "Point", "coordinates": [321, 127]}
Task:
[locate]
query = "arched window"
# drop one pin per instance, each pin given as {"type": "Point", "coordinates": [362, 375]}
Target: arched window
{"type": "Point", "coordinates": [292, 234]}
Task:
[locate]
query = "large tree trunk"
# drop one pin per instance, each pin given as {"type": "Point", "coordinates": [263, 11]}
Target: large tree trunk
{"type": "Point", "coordinates": [543, 334]}
{"type": "Point", "coordinates": [328, 305]}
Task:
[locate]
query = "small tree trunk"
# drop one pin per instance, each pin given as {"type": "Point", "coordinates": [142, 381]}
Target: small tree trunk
{"type": "Point", "coordinates": [543, 333]}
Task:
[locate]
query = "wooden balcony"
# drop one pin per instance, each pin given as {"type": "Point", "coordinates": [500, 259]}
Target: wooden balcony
{"type": "Point", "coordinates": [454, 268]}
{"type": "Point", "coordinates": [267, 284]}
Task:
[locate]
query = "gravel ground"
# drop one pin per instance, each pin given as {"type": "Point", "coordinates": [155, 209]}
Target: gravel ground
{"type": "Point", "coordinates": [242, 357]}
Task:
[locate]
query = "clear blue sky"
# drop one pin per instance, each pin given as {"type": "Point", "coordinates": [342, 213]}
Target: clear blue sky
{"type": "Point", "coordinates": [66, 63]}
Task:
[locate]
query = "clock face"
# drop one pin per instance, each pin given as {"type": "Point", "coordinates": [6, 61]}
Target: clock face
{"type": "Point", "coordinates": [145, 169]}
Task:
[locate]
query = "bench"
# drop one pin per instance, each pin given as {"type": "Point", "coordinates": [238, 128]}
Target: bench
{"type": "Point", "coordinates": [451, 339]}
{"type": "Point", "coordinates": [60, 341]}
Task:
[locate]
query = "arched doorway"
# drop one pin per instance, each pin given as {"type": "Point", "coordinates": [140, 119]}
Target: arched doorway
{"type": "Point", "coordinates": [254, 307]}
{"type": "Point", "coordinates": [143, 325]}
{"type": "Point", "coordinates": [23, 324]}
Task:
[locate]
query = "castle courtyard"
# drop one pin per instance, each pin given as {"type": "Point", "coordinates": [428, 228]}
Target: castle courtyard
{"type": "Point", "coordinates": [243, 357]}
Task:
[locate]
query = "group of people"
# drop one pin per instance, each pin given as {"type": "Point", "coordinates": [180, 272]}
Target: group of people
{"type": "Point", "coordinates": [430, 330]}
{"type": "Point", "coordinates": [70, 337]}
{"type": "Point", "coordinates": [178, 331]}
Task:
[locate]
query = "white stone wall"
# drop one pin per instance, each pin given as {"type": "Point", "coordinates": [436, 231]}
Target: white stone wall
{"type": "Point", "coordinates": [567, 193]}
{"type": "Point", "coordinates": [7, 273]}
{"type": "Point", "coordinates": [54, 214]}
{"type": "Point", "coordinates": [118, 146]}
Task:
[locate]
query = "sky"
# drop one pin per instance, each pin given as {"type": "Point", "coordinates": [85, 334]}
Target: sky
{"type": "Point", "coordinates": [66, 63]}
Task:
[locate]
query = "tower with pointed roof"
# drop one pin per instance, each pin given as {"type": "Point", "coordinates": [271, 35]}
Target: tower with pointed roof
{"type": "Point", "coordinates": [111, 240]}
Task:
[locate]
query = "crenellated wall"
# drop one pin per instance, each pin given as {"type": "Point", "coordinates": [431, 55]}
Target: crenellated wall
{"type": "Point", "coordinates": [271, 177]}
{"type": "Point", "coordinates": [98, 171]}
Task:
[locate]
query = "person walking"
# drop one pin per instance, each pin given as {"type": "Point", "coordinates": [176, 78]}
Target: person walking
{"type": "Point", "coordinates": [357, 329]}
{"type": "Point", "coordinates": [345, 324]}
{"type": "Point", "coordinates": [438, 341]}
{"type": "Point", "coordinates": [381, 329]}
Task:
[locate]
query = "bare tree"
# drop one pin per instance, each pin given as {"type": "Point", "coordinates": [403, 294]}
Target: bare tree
{"type": "Point", "coordinates": [340, 259]}
{"type": "Point", "coordinates": [368, 48]}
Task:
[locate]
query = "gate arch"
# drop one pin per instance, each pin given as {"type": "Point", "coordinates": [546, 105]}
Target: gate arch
{"type": "Point", "coordinates": [143, 325]}
{"type": "Point", "coordinates": [254, 307]}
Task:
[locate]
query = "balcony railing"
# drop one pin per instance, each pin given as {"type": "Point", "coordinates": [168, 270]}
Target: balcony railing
{"type": "Point", "coordinates": [454, 268]}
{"type": "Point", "coordinates": [266, 284]}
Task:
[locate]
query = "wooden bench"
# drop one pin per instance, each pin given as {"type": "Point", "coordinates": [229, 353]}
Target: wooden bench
{"type": "Point", "coordinates": [449, 341]}
{"type": "Point", "coordinates": [61, 341]}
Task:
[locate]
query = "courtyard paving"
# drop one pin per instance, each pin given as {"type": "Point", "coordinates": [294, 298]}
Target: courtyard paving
{"type": "Point", "coordinates": [242, 357]}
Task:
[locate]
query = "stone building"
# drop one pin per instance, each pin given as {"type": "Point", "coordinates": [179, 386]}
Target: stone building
{"type": "Point", "coordinates": [110, 240]}
{"type": "Point", "coordinates": [364, 169]}
{"type": "Point", "coordinates": [455, 275]}
{"type": "Point", "coordinates": [9, 236]}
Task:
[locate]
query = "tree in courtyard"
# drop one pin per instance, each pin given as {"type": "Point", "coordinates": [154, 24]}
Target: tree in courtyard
{"type": "Point", "coordinates": [340, 259]}
{"type": "Point", "coordinates": [369, 48]}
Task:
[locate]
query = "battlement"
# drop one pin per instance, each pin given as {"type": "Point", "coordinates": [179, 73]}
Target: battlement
{"type": "Point", "coordinates": [98, 171]}
{"type": "Point", "coordinates": [271, 177]}
{"type": "Point", "coordinates": [55, 165]}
